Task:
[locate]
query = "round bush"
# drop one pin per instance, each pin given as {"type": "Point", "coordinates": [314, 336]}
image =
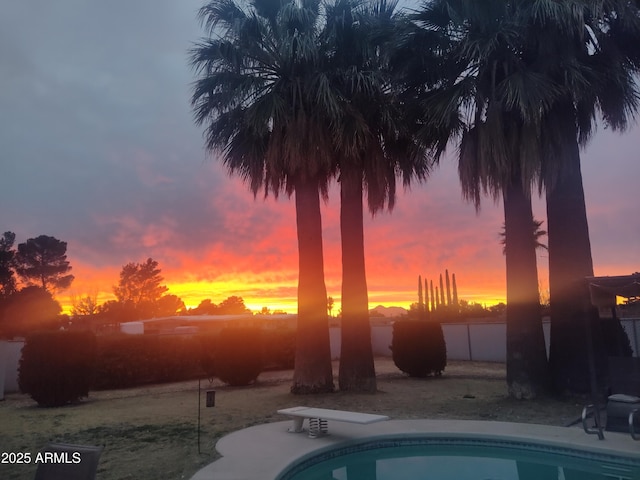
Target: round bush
{"type": "Point", "coordinates": [418, 347]}
{"type": "Point", "coordinates": [238, 355]}
{"type": "Point", "coordinates": [57, 367]}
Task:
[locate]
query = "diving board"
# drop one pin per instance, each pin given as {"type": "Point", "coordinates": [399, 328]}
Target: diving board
{"type": "Point", "coordinates": [318, 418]}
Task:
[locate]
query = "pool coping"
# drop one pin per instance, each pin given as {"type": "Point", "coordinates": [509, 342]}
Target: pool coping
{"type": "Point", "coordinates": [263, 451]}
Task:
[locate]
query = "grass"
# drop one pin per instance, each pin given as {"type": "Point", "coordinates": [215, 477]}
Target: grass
{"type": "Point", "coordinates": [151, 432]}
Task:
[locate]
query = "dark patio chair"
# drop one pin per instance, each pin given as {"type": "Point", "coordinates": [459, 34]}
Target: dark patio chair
{"type": "Point", "coordinates": [624, 385]}
{"type": "Point", "coordinates": [64, 461]}
{"type": "Point", "coordinates": [623, 402]}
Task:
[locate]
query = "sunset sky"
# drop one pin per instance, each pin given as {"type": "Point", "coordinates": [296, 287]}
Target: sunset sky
{"type": "Point", "coordinates": [98, 148]}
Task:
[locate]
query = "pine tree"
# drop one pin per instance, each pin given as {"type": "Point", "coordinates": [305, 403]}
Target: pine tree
{"type": "Point", "coordinates": [42, 261]}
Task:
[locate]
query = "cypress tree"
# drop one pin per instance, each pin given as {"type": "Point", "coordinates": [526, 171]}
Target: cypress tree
{"type": "Point", "coordinates": [455, 292]}
{"type": "Point", "coordinates": [433, 298]}
{"type": "Point", "coordinates": [426, 297]}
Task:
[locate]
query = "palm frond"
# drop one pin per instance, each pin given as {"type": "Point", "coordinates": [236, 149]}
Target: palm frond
{"type": "Point", "coordinates": [533, 79]}
{"type": "Point", "coordinates": [223, 14]}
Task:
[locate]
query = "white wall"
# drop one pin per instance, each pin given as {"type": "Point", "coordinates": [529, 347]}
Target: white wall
{"type": "Point", "coordinates": [381, 340]}
{"type": "Point", "coordinates": [3, 356]}
{"type": "Point", "coordinates": [13, 352]}
{"type": "Point", "coordinates": [479, 342]}
{"type": "Point", "coordinates": [486, 342]}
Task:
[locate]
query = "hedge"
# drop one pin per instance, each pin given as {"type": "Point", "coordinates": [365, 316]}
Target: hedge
{"type": "Point", "coordinates": [279, 349]}
{"type": "Point", "coordinates": [235, 355]}
{"type": "Point", "coordinates": [130, 360]}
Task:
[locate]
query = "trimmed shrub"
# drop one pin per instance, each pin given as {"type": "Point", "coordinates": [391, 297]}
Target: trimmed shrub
{"type": "Point", "coordinates": [279, 349]}
{"type": "Point", "coordinates": [615, 338]}
{"type": "Point", "coordinates": [207, 346]}
{"type": "Point", "coordinates": [125, 361]}
{"type": "Point", "coordinates": [177, 359]}
{"type": "Point", "coordinates": [57, 367]}
{"type": "Point", "coordinates": [238, 356]}
{"type": "Point", "coordinates": [418, 347]}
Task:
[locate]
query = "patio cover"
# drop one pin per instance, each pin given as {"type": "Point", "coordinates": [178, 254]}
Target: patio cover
{"type": "Point", "coordinates": [605, 289]}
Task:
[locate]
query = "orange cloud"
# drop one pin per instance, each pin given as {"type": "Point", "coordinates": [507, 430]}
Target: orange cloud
{"type": "Point", "coordinates": [223, 242]}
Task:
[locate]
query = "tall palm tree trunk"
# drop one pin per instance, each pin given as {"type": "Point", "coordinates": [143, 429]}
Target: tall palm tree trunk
{"type": "Point", "coordinates": [357, 371]}
{"type": "Point", "coordinates": [569, 263]}
{"type": "Point", "coordinates": [527, 367]}
{"type": "Point", "coordinates": [312, 371]}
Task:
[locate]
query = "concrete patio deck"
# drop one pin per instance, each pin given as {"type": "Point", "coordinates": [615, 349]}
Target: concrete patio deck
{"type": "Point", "coordinates": [263, 451]}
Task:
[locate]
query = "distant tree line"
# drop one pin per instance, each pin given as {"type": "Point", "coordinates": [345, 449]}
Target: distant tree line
{"type": "Point", "coordinates": [32, 273]}
{"type": "Point", "coordinates": [466, 310]}
{"type": "Point", "coordinates": [141, 294]}
{"type": "Point", "coordinates": [233, 305]}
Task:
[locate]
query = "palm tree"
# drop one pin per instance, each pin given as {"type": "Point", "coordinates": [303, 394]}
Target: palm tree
{"type": "Point", "coordinates": [595, 57]}
{"type": "Point", "coordinates": [536, 234]}
{"type": "Point", "coordinates": [556, 64]}
{"type": "Point", "coordinates": [263, 96]}
{"type": "Point", "coordinates": [373, 145]}
{"type": "Point", "coordinates": [485, 100]}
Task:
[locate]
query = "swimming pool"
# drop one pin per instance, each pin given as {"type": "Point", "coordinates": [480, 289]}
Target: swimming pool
{"type": "Point", "coordinates": [451, 458]}
{"type": "Point", "coordinates": [492, 451]}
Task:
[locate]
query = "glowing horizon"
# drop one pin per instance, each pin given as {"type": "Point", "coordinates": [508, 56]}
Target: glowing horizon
{"type": "Point", "coordinates": [192, 299]}
{"type": "Point", "coordinates": [259, 291]}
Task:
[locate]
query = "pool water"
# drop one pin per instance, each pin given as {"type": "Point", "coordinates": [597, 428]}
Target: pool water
{"type": "Point", "coordinates": [456, 459]}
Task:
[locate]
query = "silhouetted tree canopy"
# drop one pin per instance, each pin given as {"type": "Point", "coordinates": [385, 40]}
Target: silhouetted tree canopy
{"type": "Point", "coordinates": [233, 305]}
{"type": "Point", "coordinates": [43, 261]}
{"type": "Point", "coordinates": [205, 307]}
{"type": "Point", "coordinates": [7, 265]}
{"type": "Point", "coordinates": [140, 287]}
{"type": "Point", "coordinates": [84, 306]}
{"type": "Point", "coordinates": [31, 309]}
{"type": "Point", "coordinates": [140, 294]}
{"type": "Point", "coordinates": [169, 305]}
{"type": "Point", "coordinates": [114, 311]}
{"type": "Point", "coordinates": [330, 303]}
{"type": "Point", "coordinates": [140, 282]}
